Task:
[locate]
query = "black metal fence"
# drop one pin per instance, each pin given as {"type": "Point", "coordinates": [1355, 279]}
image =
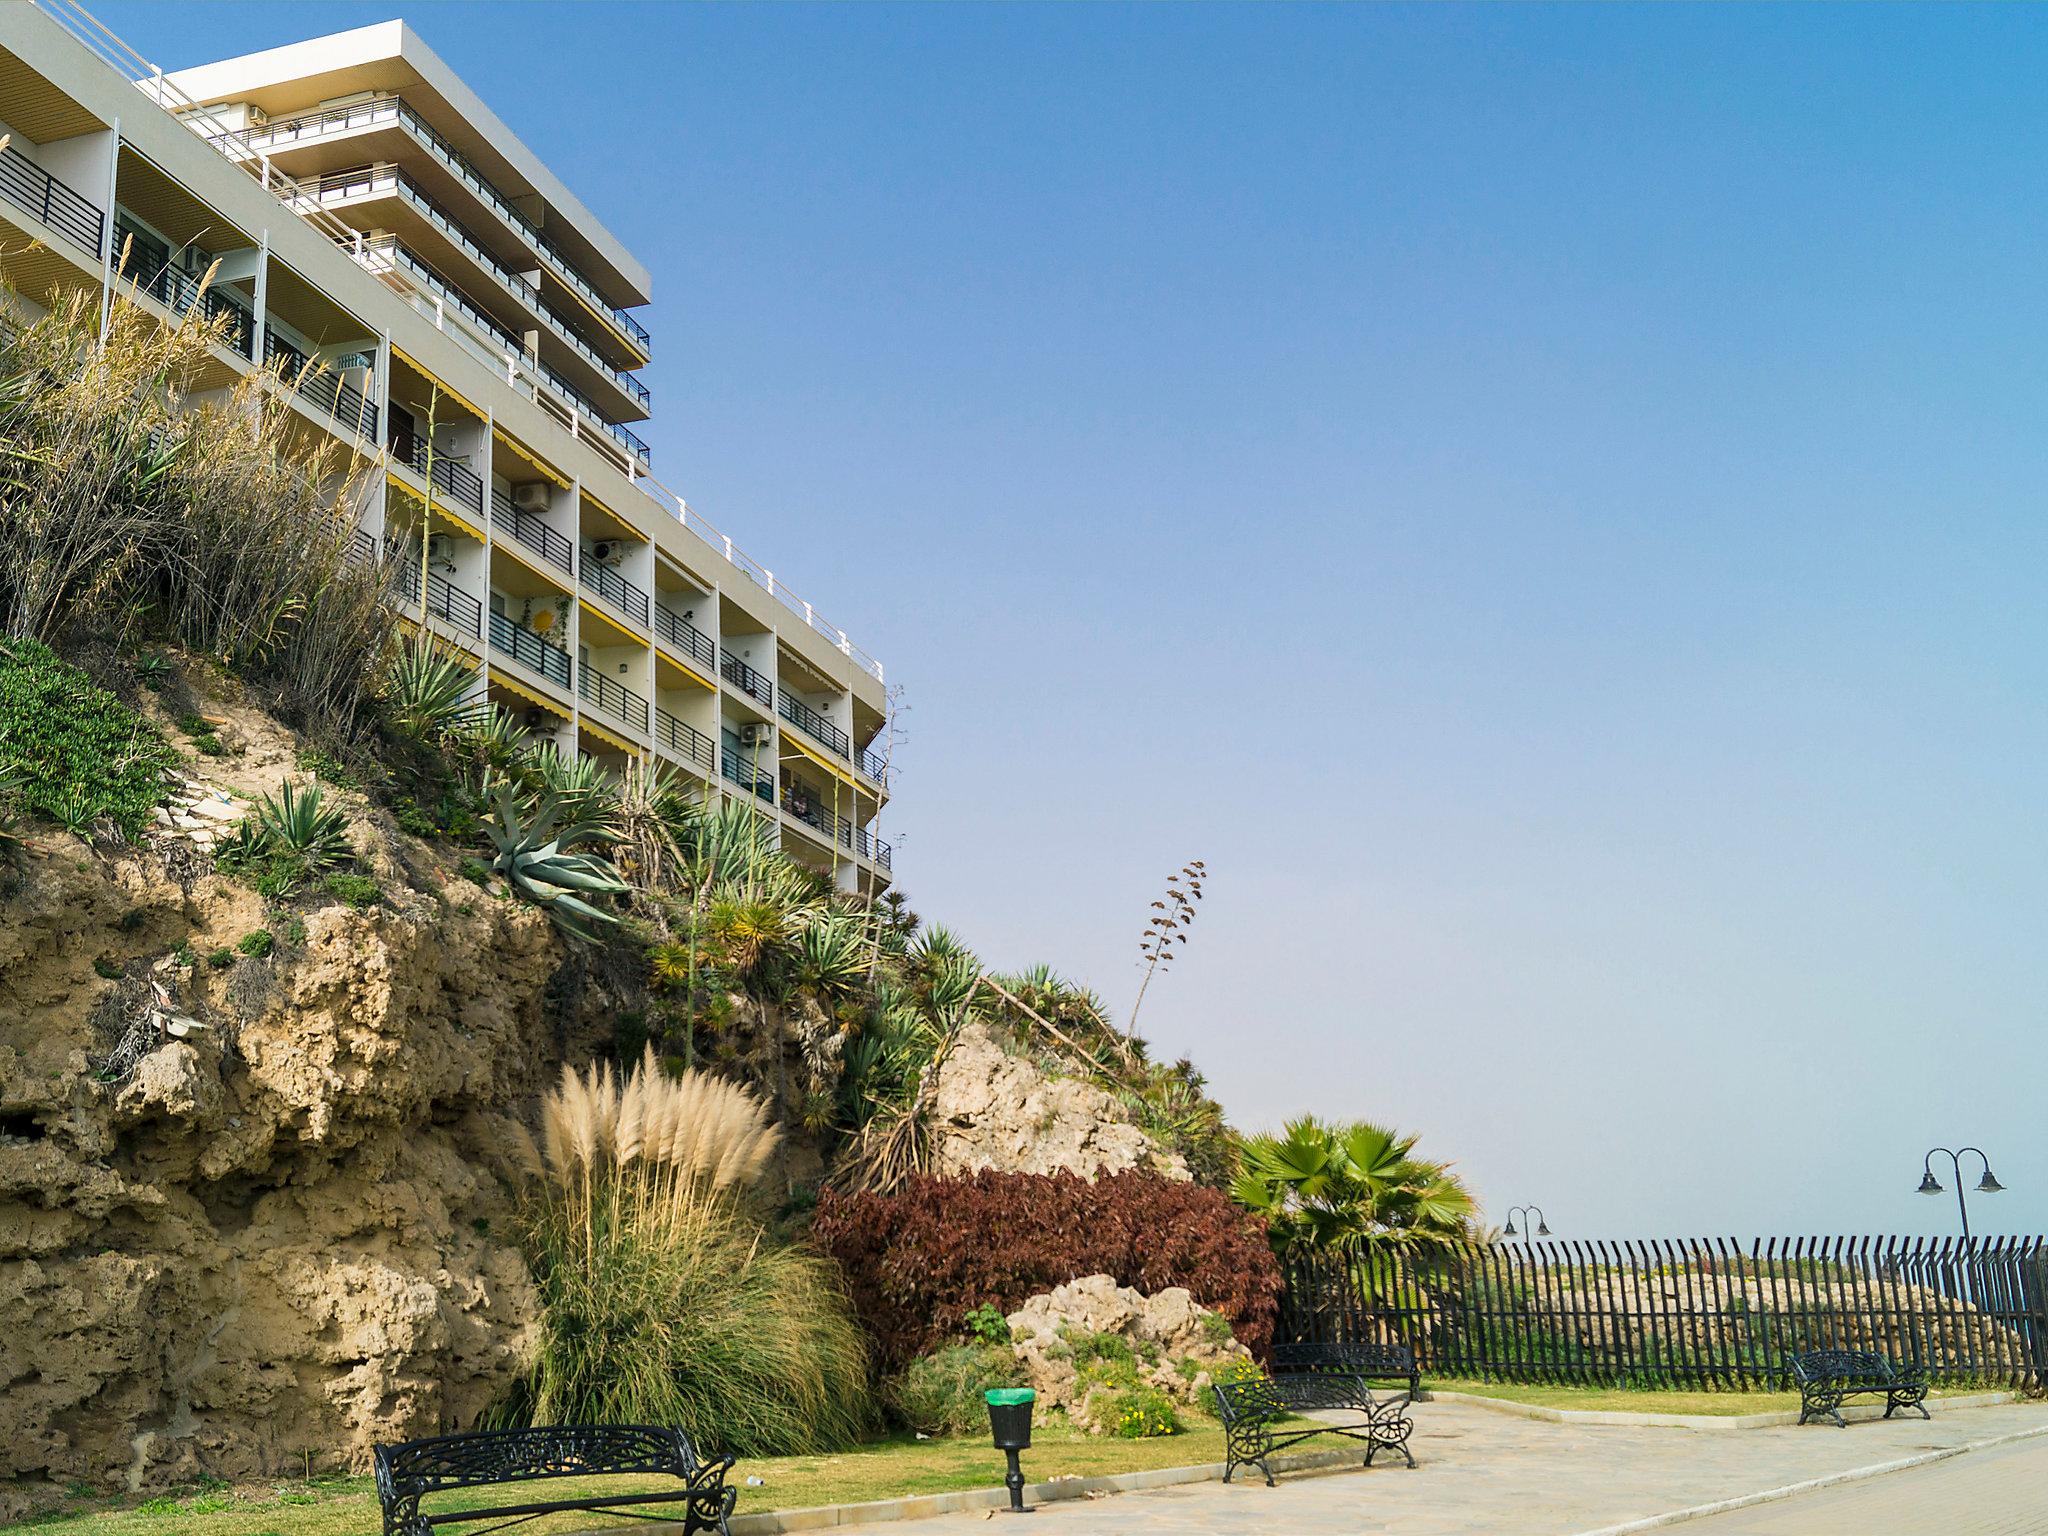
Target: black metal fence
{"type": "Point", "coordinates": [1708, 1312]}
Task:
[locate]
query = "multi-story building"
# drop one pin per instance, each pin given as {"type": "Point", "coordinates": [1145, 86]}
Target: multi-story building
{"type": "Point", "coordinates": [433, 299]}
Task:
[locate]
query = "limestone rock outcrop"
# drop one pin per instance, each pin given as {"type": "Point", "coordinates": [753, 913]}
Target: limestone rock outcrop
{"type": "Point", "coordinates": [991, 1109]}
{"type": "Point", "coordinates": [1177, 1344]}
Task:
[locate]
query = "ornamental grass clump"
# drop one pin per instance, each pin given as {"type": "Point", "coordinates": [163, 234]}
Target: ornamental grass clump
{"type": "Point", "coordinates": [665, 1299]}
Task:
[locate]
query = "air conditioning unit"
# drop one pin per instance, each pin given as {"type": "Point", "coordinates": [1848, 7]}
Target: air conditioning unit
{"type": "Point", "coordinates": [532, 497]}
{"type": "Point", "coordinates": [755, 735]}
{"type": "Point", "coordinates": [439, 547]}
{"type": "Point", "coordinates": [607, 551]}
{"type": "Point", "coordinates": [535, 718]}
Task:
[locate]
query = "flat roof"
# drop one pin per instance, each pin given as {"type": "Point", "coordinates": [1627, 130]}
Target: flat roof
{"type": "Point", "coordinates": [389, 56]}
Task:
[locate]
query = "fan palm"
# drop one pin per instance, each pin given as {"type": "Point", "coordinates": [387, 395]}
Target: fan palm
{"type": "Point", "coordinates": [1349, 1188]}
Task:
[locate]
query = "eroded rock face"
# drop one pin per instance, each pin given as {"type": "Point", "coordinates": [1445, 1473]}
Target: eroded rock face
{"type": "Point", "coordinates": [995, 1110]}
{"type": "Point", "coordinates": [291, 1230]}
{"type": "Point", "coordinates": [1163, 1331]}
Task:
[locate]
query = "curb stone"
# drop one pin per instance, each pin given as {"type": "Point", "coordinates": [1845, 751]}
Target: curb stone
{"type": "Point", "coordinates": [1856, 1413]}
{"type": "Point", "coordinates": [1811, 1484]}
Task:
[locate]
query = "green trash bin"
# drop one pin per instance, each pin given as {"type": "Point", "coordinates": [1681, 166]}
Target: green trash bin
{"type": "Point", "coordinates": [1009, 1419]}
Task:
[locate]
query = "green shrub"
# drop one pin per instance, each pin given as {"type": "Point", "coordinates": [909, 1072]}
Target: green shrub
{"type": "Point", "coordinates": [257, 943]}
{"type": "Point", "coordinates": [221, 958]}
{"type": "Point", "coordinates": [941, 1393]}
{"type": "Point", "coordinates": [184, 954]}
{"type": "Point", "coordinates": [295, 930]}
{"type": "Point", "coordinates": [359, 891]}
{"type": "Point", "coordinates": [987, 1323]}
{"type": "Point", "coordinates": [108, 970]}
{"type": "Point", "coordinates": [477, 872]}
{"type": "Point", "coordinates": [1134, 1413]}
{"type": "Point", "coordinates": [209, 744]}
{"type": "Point", "coordinates": [325, 765]}
{"type": "Point", "coordinates": [1216, 1329]}
{"type": "Point", "coordinates": [84, 758]}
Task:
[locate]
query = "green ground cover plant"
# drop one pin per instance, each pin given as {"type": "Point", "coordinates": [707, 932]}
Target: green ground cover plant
{"type": "Point", "coordinates": [76, 755]}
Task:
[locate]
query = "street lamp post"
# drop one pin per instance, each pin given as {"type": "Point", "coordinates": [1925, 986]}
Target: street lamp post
{"type": "Point", "coordinates": [1542, 1227]}
{"type": "Point", "coordinates": [1930, 1185]}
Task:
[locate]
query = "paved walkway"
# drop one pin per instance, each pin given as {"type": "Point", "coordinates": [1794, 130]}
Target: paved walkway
{"type": "Point", "coordinates": [1488, 1474]}
{"type": "Point", "coordinates": [2001, 1492]}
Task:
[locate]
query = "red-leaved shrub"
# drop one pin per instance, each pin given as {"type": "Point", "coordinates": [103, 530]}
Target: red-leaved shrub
{"type": "Point", "coordinates": [919, 1260]}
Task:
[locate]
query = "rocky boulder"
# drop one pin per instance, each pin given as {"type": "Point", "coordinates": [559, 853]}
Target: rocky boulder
{"type": "Point", "coordinates": [992, 1109]}
{"type": "Point", "coordinates": [1176, 1344]}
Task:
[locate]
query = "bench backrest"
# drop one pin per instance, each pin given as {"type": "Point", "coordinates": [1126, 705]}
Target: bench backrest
{"type": "Point", "coordinates": [1839, 1365]}
{"type": "Point", "coordinates": [1271, 1397]}
{"type": "Point", "coordinates": [1382, 1362]}
{"type": "Point", "coordinates": [419, 1467]}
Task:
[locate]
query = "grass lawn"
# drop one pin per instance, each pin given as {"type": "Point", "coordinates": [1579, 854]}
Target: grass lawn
{"type": "Point", "coordinates": [347, 1506]}
{"type": "Point", "coordinates": [1629, 1399]}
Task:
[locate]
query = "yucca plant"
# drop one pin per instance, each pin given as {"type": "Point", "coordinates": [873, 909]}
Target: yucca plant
{"type": "Point", "coordinates": [580, 785]}
{"type": "Point", "coordinates": [533, 854]}
{"type": "Point", "coordinates": [429, 690]}
{"type": "Point", "coordinates": [665, 1298]}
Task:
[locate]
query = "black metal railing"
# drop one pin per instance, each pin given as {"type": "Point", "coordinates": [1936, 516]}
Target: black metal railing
{"type": "Point", "coordinates": [625, 436]}
{"type": "Point", "coordinates": [607, 583]}
{"type": "Point", "coordinates": [1712, 1311]}
{"type": "Point", "coordinates": [682, 738]}
{"type": "Point", "coordinates": [36, 192]}
{"type": "Point", "coordinates": [875, 766]}
{"type": "Point", "coordinates": [182, 294]}
{"type": "Point", "coordinates": [732, 762]}
{"type": "Point", "coordinates": [813, 724]}
{"type": "Point", "coordinates": [528, 649]}
{"type": "Point", "coordinates": [685, 637]}
{"type": "Point", "coordinates": [362, 549]}
{"type": "Point", "coordinates": [868, 846]}
{"type": "Point", "coordinates": [444, 600]}
{"type": "Point", "coordinates": [612, 696]}
{"type": "Point", "coordinates": [743, 677]}
{"type": "Point", "coordinates": [530, 529]}
{"type": "Point", "coordinates": [320, 386]}
{"type": "Point", "coordinates": [447, 474]}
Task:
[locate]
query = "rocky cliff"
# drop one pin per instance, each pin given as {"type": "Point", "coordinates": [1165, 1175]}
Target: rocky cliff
{"type": "Point", "coordinates": [256, 1208]}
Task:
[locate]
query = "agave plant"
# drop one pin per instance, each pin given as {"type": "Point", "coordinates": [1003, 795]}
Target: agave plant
{"type": "Point", "coordinates": [585, 792]}
{"type": "Point", "coordinates": [428, 690]}
{"type": "Point", "coordinates": [534, 858]}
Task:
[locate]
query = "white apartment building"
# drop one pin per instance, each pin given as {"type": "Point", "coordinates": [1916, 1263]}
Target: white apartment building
{"type": "Point", "coordinates": [440, 305]}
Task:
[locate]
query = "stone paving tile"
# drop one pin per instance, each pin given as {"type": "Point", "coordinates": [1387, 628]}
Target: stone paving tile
{"type": "Point", "coordinates": [1488, 1474]}
{"type": "Point", "coordinates": [1999, 1492]}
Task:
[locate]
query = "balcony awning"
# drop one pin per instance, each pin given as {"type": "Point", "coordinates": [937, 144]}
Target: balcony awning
{"type": "Point", "coordinates": [825, 763]}
{"type": "Point", "coordinates": [528, 457]}
{"type": "Point", "coordinates": [437, 382]}
{"type": "Point", "coordinates": [625, 746]}
{"type": "Point", "coordinates": [499, 679]}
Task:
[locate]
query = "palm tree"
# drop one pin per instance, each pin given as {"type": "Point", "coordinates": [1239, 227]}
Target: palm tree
{"type": "Point", "coordinates": [1349, 1188]}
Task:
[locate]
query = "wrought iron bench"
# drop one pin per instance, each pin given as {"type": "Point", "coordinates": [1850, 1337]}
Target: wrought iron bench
{"type": "Point", "coordinates": [1827, 1376]}
{"type": "Point", "coordinates": [1375, 1362]}
{"type": "Point", "coordinates": [1253, 1411]}
{"type": "Point", "coordinates": [409, 1472]}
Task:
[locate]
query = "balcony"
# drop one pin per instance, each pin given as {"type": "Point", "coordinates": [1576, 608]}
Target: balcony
{"type": "Point", "coordinates": [745, 678]}
{"type": "Point", "coordinates": [813, 724]}
{"type": "Point", "coordinates": [530, 530]}
{"type": "Point", "coordinates": [42, 196]}
{"type": "Point", "coordinates": [735, 767]}
{"type": "Point", "coordinates": [279, 135]}
{"type": "Point", "coordinates": [607, 583]}
{"type": "Point", "coordinates": [457, 481]}
{"type": "Point", "coordinates": [834, 828]}
{"type": "Point", "coordinates": [684, 636]}
{"type": "Point", "coordinates": [462, 612]}
{"type": "Point", "coordinates": [181, 295]}
{"type": "Point", "coordinates": [684, 740]}
{"type": "Point", "coordinates": [320, 386]}
{"type": "Point", "coordinates": [612, 697]}
{"type": "Point", "coordinates": [529, 650]}
{"type": "Point", "coordinates": [872, 764]}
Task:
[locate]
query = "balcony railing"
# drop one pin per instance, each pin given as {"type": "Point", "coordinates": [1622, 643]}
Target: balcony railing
{"type": "Point", "coordinates": [362, 549]}
{"type": "Point", "coordinates": [530, 529]}
{"type": "Point", "coordinates": [528, 649]}
{"type": "Point", "coordinates": [607, 583]}
{"type": "Point", "coordinates": [875, 767]}
{"type": "Point", "coordinates": [820, 818]}
{"type": "Point", "coordinates": [682, 738]}
{"type": "Point", "coordinates": [182, 294]}
{"type": "Point", "coordinates": [444, 600]}
{"type": "Point", "coordinates": [36, 192]}
{"type": "Point", "coordinates": [734, 765]}
{"type": "Point", "coordinates": [320, 386]}
{"type": "Point", "coordinates": [745, 678]}
{"type": "Point", "coordinates": [813, 724]}
{"type": "Point", "coordinates": [685, 637]}
{"type": "Point", "coordinates": [283, 131]}
{"type": "Point", "coordinates": [612, 696]}
{"type": "Point", "coordinates": [625, 435]}
{"type": "Point", "coordinates": [456, 480]}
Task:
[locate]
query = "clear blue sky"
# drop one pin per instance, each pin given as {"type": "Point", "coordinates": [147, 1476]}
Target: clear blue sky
{"type": "Point", "coordinates": [1547, 503]}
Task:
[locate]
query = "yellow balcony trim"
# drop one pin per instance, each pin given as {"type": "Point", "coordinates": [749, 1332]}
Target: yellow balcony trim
{"type": "Point", "coordinates": [439, 507]}
{"type": "Point", "coordinates": [664, 658]}
{"type": "Point", "coordinates": [520, 451]}
{"type": "Point", "coordinates": [435, 381]}
{"type": "Point", "coordinates": [626, 635]}
{"type": "Point", "coordinates": [823, 762]}
{"type": "Point", "coordinates": [499, 679]}
{"type": "Point", "coordinates": [547, 573]}
{"type": "Point", "coordinates": [583, 724]}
